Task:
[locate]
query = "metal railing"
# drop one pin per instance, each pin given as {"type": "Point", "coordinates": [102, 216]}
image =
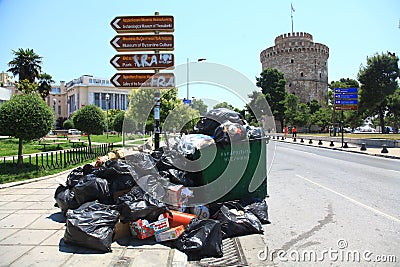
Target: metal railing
{"type": "Point", "coordinates": [54, 159]}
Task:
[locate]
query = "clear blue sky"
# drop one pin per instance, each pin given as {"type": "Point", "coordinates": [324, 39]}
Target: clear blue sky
{"type": "Point", "coordinates": [73, 36]}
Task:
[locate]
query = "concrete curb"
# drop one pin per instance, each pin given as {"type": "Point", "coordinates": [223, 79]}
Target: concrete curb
{"type": "Point", "coordinates": [341, 149]}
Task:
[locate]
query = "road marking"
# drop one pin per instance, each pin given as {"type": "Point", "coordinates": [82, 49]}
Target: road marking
{"type": "Point", "coordinates": [352, 200]}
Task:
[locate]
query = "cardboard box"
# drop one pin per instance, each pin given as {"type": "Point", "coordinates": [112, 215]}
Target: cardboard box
{"type": "Point", "coordinates": [143, 229]}
{"type": "Point", "coordinates": [121, 230]}
{"type": "Point", "coordinates": [170, 234]}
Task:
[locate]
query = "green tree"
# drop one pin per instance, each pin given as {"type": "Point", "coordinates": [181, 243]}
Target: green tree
{"type": "Point", "coordinates": [378, 82]}
{"type": "Point", "coordinates": [394, 110]}
{"type": "Point", "coordinates": [140, 108]}
{"type": "Point", "coordinates": [272, 84]}
{"type": "Point", "coordinates": [224, 105]}
{"type": "Point", "coordinates": [183, 117]}
{"type": "Point", "coordinates": [291, 109]}
{"type": "Point", "coordinates": [89, 119]}
{"type": "Point", "coordinates": [199, 105]}
{"type": "Point", "coordinates": [122, 123]}
{"type": "Point", "coordinates": [322, 117]}
{"type": "Point", "coordinates": [68, 124]}
{"type": "Point", "coordinates": [256, 108]}
{"type": "Point", "coordinates": [26, 64]}
{"type": "Point", "coordinates": [45, 81]}
{"type": "Point", "coordinates": [26, 117]}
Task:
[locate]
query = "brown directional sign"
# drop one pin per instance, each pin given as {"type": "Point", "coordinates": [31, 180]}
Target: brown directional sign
{"type": "Point", "coordinates": [142, 61]}
{"type": "Point", "coordinates": [346, 107]}
{"type": "Point", "coordinates": [128, 24]}
{"type": "Point", "coordinates": [136, 80]}
{"type": "Point", "coordinates": [143, 42]}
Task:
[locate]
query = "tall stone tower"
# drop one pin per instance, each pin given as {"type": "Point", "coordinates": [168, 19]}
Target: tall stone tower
{"type": "Point", "coordinates": [304, 64]}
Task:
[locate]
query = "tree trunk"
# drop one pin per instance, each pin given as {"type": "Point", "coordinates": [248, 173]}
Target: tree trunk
{"type": "Point", "coordinates": [20, 159]}
{"type": "Point", "coordinates": [382, 120]}
{"type": "Point", "coordinates": [90, 143]}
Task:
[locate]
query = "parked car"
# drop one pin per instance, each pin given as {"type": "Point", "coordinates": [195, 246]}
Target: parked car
{"type": "Point", "coordinates": [74, 131]}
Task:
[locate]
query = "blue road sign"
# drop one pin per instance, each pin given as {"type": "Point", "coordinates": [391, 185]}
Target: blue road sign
{"type": "Point", "coordinates": [346, 102]}
{"type": "Point", "coordinates": [187, 101]}
{"type": "Point", "coordinates": [346, 90]}
{"type": "Point", "coordinates": [347, 96]}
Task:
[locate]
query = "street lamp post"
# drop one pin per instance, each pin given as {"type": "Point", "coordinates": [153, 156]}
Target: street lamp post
{"type": "Point", "coordinates": [107, 100]}
{"type": "Point", "coordinates": [55, 115]}
{"type": "Point", "coordinates": [187, 75]}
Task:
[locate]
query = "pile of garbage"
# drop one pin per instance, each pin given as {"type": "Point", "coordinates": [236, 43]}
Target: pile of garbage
{"type": "Point", "coordinates": [147, 196]}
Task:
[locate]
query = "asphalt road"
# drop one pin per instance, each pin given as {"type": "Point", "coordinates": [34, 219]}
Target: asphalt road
{"type": "Point", "coordinates": [332, 208]}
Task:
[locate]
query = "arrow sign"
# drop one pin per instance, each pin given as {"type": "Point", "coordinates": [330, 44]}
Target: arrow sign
{"type": "Point", "coordinates": [142, 61]}
{"type": "Point", "coordinates": [131, 24]}
{"type": "Point", "coordinates": [123, 43]}
{"type": "Point", "coordinates": [136, 80]}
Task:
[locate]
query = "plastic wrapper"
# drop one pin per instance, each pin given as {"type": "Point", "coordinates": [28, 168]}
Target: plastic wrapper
{"type": "Point", "coordinates": [235, 221]}
{"type": "Point", "coordinates": [92, 188]}
{"type": "Point", "coordinates": [65, 199]}
{"type": "Point", "coordinates": [91, 226]}
{"type": "Point", "coordinates": [201, 239]}
{"type": "Point", "coordinates": [229, 132]}
{"type": "Point", "coordinates": [188, 144]}
{"type": "Point", "coordinates": [141, 164]}
{"type": "Point", "coordinates": [255, 133]}
{"type": "Point", "coordinates": [178, 177]}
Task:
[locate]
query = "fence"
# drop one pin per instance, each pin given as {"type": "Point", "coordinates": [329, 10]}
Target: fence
{"type": "Point", "coordinates": [55, 159]}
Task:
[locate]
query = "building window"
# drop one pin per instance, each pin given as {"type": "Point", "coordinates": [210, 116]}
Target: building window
{"type": "Point", "coordinates": [59, 110]}
{"type": "Point", "coordinates": [90, 81]}
{"type": "Point", "coordinates": [97, 99]}
{"type": "Point", "coordinates": [290, 84]}
{"type": "Point", "coordinates": [320, 75]}
{"type": "Point", "coordinates": [292, 60]}
{"type": "Point", "coordinates": [301, 74]}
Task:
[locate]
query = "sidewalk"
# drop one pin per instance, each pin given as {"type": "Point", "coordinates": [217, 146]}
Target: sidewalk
{"type": "Point", "coordinates": [32, 230]}
{"type": "Point", "coordinates": [354, 148]}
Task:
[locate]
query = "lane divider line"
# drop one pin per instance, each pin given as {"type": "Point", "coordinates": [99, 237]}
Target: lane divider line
{"type": "Point", "coordinates": [352, 200]}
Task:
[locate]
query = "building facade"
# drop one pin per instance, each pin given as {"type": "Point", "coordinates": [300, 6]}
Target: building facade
{"type": "Point", "coordinates": [6, 80]}
{"type": "Point", "coordinates": [68, 97]}
{"type": "Point", "coordinates": [303, 63]}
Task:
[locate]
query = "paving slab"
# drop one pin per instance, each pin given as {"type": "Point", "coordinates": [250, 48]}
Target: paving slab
{"type": "Point", "coordinates": [18, 221]}
{"type": "Point", "coordinates": [28, 237]}
{"type": "Point", "coordinates": [42, 256]}
{"type": "Point", "coordinates": [91, 258]}
{"type": "Point", "coordinates": [10, 253]}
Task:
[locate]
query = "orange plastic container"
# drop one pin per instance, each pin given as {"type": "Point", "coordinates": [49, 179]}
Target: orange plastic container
{"type": "Point", "coordinates": [180, 218]}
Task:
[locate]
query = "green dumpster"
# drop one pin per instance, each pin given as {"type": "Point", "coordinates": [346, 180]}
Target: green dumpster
{"type": "Point", "coordinates": [235, 171]}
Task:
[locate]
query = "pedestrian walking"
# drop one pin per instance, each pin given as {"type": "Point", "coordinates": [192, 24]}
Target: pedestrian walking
{"type": "Point", "coordinates": [294, 131]}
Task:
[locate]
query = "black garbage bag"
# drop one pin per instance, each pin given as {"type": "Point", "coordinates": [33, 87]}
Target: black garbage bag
{"type": "Point", "coordinates": [223, 114]}
{"type": "Point", "coordinates": [91, 226]}
{"type": "Point", "coordinates": [207, 126]}
{"type": "Point", "coordinates": [177, 177]}
{"type": "Point", "coordinates": [65, 199]}
{"type": "Point", "coordinates": [92, 188]}
{"type": "Point", "coordinates": [259, 208]}
{"type": "Point", "coordinates": [141, 164]}
{"type": "Point", "coordinates": [157, 154]}
{"type": "Point", "coordinates": [235, 221]}
{"type": "Point", "coordinates": [118, 175]}
{"type": "Point", "coordinates": [138, 204]}
{"type": "Point", "coordinates": [154, 185]}
{"type": "Point", "coordinates": [201, 239]}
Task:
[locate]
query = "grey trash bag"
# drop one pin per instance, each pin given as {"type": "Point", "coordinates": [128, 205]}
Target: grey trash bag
{"type": "Point", "coordinates": [65, 199]}
{"type": "Point", "coordinates": [92, 188]}
{"type": "Point", "coordinates": [91, 226]}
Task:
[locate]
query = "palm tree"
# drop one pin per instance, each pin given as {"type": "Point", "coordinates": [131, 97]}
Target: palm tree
{"type": "Point", "coordinates": [26, 64]}
{"type": "Point", "coordinates": [45, 81]}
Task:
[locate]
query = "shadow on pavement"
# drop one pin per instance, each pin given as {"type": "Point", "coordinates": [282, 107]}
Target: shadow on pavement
{"type": "Point", "coordinates": [57, 217]}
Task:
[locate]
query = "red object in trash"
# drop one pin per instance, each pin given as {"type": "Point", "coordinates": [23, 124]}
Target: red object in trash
{"type": "Point", "coordinates": [180, 218]}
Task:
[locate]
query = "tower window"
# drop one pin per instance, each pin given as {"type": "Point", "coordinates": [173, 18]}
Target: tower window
{"type": "Point", "coordinates": [292, 60]}
{"type": "Point", "coordinates": [301, 74]}
{"type": "Point", "coordinates": [290, 84]}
